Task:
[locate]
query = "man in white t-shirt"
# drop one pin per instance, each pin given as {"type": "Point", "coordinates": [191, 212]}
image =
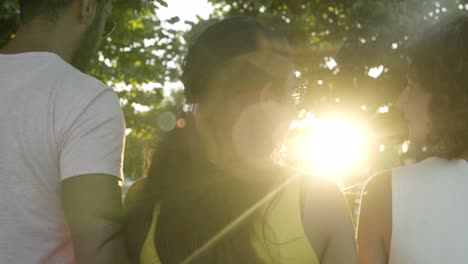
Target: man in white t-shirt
{"type": "Point", "coordinates": [61, 139]}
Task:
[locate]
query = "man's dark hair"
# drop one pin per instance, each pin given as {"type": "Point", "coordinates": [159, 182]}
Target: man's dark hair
{"type": "Point", "coordinates": [49, 9]}
{"type": "Point", "coordinates": [439, 62]}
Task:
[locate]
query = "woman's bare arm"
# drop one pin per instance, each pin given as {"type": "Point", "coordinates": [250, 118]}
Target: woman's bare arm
{"type": "Point", "coordinates": [131, 197]}
{"type": "Point", "coordinates": [328, 223]}
{"type": "Point", "coordinates": [375, 220]}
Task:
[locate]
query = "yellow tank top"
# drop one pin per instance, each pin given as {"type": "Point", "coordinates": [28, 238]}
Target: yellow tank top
{"type": "Point", "coordinates": [286, 241]}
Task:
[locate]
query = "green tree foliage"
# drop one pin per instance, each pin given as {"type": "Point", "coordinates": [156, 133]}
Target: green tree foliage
{"type": "Point", "coordinates": [359, 35]}
{"type": "Point", "coordinates": [139, 59]}
{"type": "Point", "coordinates": [142, 57]}
{"type": "Point", "coordinates": [8, 20]}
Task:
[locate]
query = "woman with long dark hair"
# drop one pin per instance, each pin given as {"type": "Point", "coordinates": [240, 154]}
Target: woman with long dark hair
{"type": "Point", "coordinates": [215, 193]}
{"type": "Point", "coordinates": [417, 214]}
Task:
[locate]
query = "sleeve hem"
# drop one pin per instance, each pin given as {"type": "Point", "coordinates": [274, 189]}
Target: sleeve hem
{"type": "Point", "coordinates": [114, 173]}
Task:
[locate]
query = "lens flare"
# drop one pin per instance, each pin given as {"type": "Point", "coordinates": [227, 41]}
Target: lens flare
{"type": "Point", "coordinates": [328, 147]}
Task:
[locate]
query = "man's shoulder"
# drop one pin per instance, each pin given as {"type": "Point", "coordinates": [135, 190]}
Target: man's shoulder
{"type": "Point", "coordinates": [77, 93]}
{"type": "Point", "coordinates": [76, 89]}
{"type": "Point", "coordinates": [64, 78]}
{"type": "Point", "coordinates": [61, 74]}
{"type": "Point", "coordinates": [78, 82]}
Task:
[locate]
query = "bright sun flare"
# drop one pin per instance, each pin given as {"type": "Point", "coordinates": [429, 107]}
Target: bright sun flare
{"type": "Point", "coordinates": [328, 146]}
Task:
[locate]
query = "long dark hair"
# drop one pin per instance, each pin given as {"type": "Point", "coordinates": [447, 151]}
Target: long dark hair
{"type": "Point", "coordinates": [196, 198]}
{"type": "Point", "coordinates": [439, 62]}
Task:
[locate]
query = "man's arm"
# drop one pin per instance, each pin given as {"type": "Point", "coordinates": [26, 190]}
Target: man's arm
{"type": "Point", "coordinates": [375, 220]}
{"type": "Point", "coordinates": [93, 209]}
{"type": "Point", "coordinates": [91, 143]}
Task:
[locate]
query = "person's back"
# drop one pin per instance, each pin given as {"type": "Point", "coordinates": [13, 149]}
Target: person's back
{"type": "Point", "coordinates": [428, 210]}
{"type": "Point", "coordinates": [62, 137]}
{"type": "Point", "coordinates": [222, 197]}
{"type": "Point", "coordinates": [277, 231]}
{"type": "Point", "coordinates": [417, 214]}
{"type": "Point", "coordinates": [287, 224]}
{"type": "Point", "coordinates": [42, 99]}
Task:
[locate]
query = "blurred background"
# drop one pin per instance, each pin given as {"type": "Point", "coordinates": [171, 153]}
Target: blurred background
{"type": "Point", "coordinates": [350, 68]}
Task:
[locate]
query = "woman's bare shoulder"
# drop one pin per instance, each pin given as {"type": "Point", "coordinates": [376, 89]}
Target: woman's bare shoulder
{"type": "Point", "coordinates": [375, 219]}
{"type": "Point", "coordinates": [378, 190]}
{"type": "Point", "coordinates": [328, 222]}
{"type": "Point", "coordinates": [379, 182]}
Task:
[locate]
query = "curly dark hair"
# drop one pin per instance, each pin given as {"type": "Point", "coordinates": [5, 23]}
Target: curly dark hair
{"type": "Point", "coordinates": [439, 62]}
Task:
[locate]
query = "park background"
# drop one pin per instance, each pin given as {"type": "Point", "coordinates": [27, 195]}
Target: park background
{"type": "Point", "coordinates": [350, 67]}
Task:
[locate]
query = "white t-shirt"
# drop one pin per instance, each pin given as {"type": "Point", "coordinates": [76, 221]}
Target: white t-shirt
{"type": "Point", "coordinates": [55, 123]}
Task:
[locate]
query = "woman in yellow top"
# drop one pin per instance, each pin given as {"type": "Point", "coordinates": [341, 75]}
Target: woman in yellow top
{"type": "Point", "coordinates": [214, 193]}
